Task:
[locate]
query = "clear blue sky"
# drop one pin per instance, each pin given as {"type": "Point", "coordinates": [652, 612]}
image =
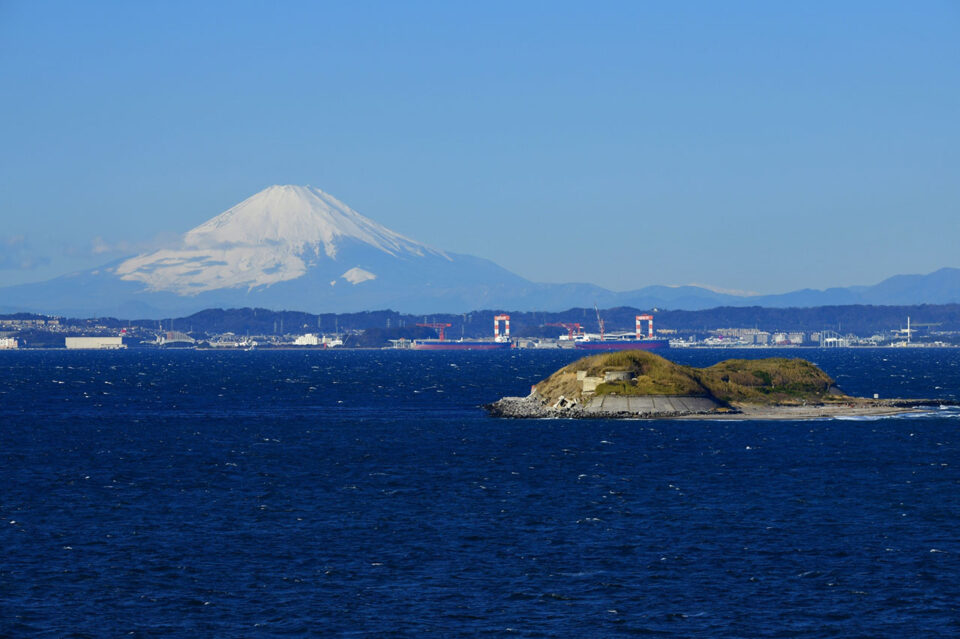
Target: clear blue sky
{"type": "Point", "coordinates": [761, 146]}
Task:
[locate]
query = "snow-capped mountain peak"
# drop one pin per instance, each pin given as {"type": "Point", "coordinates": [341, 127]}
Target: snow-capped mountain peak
{"type": "Point", "coordinates": [300, 216]}
{"type": "Point", "coordinates": [272, 236]}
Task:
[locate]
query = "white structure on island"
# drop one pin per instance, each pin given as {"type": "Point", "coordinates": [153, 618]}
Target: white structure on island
{"type": "Point", "coordinates": [8, 343]}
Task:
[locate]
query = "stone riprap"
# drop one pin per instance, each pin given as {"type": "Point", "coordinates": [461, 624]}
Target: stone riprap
{"type": "Point", "coordinates": [672, 407]}
{"type": "Point", "coordinates": [604, 406]}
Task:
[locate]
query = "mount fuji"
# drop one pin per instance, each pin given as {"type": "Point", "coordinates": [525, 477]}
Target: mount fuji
{"type": "Point", "coordinates": [291, 247]}
{"type": "Point", "coordinates": [298, 248]}
{"type": "Point", "coordinates": [280, 234]}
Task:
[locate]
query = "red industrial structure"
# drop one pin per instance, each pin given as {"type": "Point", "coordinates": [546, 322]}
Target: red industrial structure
{"type": "Point", "coordinates": [506, 328]}
{"type": "Point", "coordinates": [439, 326]}
{"type": "Point", "coordinates": [640, 320]}
{"type": "Point", "coordinates": [572, 328]}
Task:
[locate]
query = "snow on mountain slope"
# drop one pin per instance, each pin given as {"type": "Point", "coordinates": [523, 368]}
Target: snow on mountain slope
{"type": "Point", "coordinates": [271, 237]}
{"type": "Point", "coordinates": [294, 247]}
{"type": "Point", "coordinates": [356, 275]}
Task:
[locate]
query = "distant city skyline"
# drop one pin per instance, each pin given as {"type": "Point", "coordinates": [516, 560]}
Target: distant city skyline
{"type": "Point", "coordinates": [751, 148]}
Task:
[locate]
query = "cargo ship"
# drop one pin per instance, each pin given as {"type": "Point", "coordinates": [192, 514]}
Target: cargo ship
{"type": "Point", "coordinates": [620, 344]}
{"type": "Point", "coordinates": [623, 341]}
{"type": "Point", "coordinates": [458, 345]}
{"type": "Point", "coordinates": [500, 341]}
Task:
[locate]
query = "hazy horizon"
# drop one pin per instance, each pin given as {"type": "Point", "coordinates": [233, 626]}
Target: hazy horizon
{"type": "Point", "coordinates": [756, 148]}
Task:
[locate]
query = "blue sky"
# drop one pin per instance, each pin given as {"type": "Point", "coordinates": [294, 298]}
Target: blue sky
{"type": "Point", "coordinates": [758, 146]}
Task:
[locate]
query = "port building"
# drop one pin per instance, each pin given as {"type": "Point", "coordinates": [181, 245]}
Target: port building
{"type": "Point", "coordinates": [95, 343]}
{"type": "Point", "coordinates": [312, 339]}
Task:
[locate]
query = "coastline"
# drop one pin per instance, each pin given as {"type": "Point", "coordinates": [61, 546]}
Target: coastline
{"type": "Point", "coordinates": [790, 413]}
{"type": "Point", "coordinates": [533, 407]}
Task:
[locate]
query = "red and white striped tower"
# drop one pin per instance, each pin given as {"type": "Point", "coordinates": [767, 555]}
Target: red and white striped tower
{"type": "Point", "coordinates": [506, 328]}
{"type": "Point", "coordinates": [640, 320]}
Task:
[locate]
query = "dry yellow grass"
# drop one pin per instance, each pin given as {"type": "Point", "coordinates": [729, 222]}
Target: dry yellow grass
{"type": "Point", "coordinates": [765, 381]}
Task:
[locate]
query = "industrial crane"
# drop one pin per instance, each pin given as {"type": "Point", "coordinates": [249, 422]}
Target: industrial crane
{"type": "Point", "coordinates": [439, 326]}
{"type": "Point", "coordinates": [571, 327]}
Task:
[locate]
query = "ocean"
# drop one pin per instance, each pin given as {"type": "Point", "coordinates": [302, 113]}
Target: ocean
{"type": "Point", "coordinates": [367, 494]}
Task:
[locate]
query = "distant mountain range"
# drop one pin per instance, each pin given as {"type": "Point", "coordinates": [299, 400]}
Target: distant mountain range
{"type": "Point", "coordinates": [296, 247]}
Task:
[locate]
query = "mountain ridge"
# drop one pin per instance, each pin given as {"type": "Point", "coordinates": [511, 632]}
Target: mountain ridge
{"type": "Point", "coordinates": [299, 247]}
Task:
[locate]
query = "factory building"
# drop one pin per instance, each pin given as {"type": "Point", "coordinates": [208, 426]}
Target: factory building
{"type": "Point", "coordinates": [95, 343]}
{"type": "Point", "coordinates": [312, 339]}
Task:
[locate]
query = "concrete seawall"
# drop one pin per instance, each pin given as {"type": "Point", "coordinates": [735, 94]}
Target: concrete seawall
{"type": "Point", "coordinates": [650, 405]}
{"type": "Point", "coordinates": [674, 407]}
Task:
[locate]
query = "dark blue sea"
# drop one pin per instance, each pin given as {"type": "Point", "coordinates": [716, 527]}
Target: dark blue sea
{"type": "Point", "coordinates": [290, 494]}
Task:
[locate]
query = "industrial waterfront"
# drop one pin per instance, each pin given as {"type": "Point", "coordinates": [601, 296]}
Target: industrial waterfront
{"type": "Point", "coordinates": [25, 331]}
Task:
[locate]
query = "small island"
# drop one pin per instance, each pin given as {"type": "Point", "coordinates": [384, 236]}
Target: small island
{"type": "Point", "coordinates": [639, 384]}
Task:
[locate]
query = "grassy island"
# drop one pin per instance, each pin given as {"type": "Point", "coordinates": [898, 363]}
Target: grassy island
{"type": "Point", "coordinates": [773, 381]}
{"type": "Point", "coordinates": [641, 385]}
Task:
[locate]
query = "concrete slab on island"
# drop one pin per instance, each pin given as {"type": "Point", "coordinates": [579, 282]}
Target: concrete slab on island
{"type": "Point", "coordinates": [703, 408]}
{"type": "Point", "coordinates": [649, 405]}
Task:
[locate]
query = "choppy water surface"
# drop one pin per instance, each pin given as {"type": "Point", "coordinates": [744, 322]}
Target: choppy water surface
{"type": "Point", "coordinates": [262, 494]}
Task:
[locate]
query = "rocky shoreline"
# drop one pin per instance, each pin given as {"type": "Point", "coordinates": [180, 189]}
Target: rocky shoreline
{"type": "Point", "coordinates": [534, 407]}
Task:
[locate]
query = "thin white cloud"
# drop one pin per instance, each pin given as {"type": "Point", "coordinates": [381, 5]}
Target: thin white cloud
{"type": "Point", "coordinates": [725, 291]}
{"type": "Point", "coordinates": [100, 247]}
{"type": "Point", "coordinates": [17, 254]}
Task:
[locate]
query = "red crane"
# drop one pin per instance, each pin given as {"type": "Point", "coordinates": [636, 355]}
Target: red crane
{"type": "Point", "coordinates": [571, 327]}
{"type": "Point", "coordinates": [439, 326]}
